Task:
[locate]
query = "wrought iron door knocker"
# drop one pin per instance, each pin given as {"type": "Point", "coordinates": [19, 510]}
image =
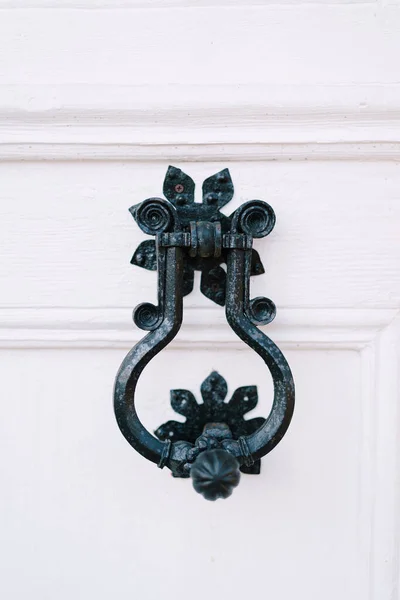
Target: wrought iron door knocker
{"type": "Point", "coordinates": [216, 442]}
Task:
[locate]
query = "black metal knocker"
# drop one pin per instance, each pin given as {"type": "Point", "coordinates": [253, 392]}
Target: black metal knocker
{"type": "Point", "coordinates": [216, 442]}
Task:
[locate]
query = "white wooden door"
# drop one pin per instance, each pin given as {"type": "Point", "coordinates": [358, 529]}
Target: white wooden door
{"type": "Point", "coordinates": [300, 100]}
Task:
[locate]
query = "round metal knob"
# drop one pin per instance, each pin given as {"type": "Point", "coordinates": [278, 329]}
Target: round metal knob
{"type": "Point", "coordinates": [215, 473]}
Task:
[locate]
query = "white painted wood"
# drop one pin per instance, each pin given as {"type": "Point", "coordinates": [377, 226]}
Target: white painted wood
{"type": "Point", "coordinates": [256, 122]}
{"type": "Point", "coordinates": [44, 151]}
{"type": "Point", "coordinates": [351, 329]}
{"type": "Point", "coordinates": [385, 449]}
{"type": "Point", "coordinates": [98, 4]}
{"type": "Point", "coordinates": [300, 44]}
{"type": "Point", "coordinates": [68, 237]}
{"type": "Point", "coordinates": [71, 517]}
{"type": "Point", "coordinates": [301, 101]}
{"type": "Point", "coordinates": [90, 510]}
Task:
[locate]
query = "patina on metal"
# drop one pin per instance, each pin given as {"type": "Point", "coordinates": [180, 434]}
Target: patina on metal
{"type": "Point", "coordinates": [215, 442]}
{"type": "Point", "coordinates": [217, 191]}
{"type": "Point", "coordinates": [213, 409]}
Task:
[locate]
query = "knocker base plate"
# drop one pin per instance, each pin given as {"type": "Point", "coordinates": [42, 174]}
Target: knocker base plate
{"type": "Point", "coordinates": [213, 410]}
{"type": "Point", "coordinates": [217, 192]}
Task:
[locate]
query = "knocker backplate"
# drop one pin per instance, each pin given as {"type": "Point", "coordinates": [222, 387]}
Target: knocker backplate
{"type": "Point", "coordinates": [214, 409]}
{"type": "Point", "coordinates": [217, 192]}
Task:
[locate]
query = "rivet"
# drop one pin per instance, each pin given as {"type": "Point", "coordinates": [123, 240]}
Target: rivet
{"type": "Point", "coordinates": [180, 200]}
{"type": "Point", "coordinates": [211, 198]}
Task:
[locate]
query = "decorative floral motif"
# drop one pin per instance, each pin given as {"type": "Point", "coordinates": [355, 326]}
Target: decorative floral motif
{"type": "Point", "coordinates": [179, 191]}
{"type": "Point", "coordinates": [214, 409]}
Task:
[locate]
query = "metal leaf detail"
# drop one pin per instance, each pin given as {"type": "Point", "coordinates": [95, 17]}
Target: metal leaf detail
{"type": "Point", "coordinates": [178, 187]}
{"type": "Point", "coordinates": [214, 409]}
{"type": "Point", "coordinates": [217, 191]}
{"type": "Point", "coordinates": [256, 264]}
{"type": "Point", "coordinates": [146, 255]}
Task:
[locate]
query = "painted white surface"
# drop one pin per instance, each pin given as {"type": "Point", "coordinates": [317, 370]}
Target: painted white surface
{"type": "Point", "coordinates": [310, 44]}
{"type": "Point", "coordinates": [301, 101]}
{"type": "Point", "coordinates": [73, 246]}
{"type": "Point", "coordinates": [97, 4]}
{"type": "Point", "coordinates": [99, 527]}
{"type": "Point", "coordinates": [158, 122]}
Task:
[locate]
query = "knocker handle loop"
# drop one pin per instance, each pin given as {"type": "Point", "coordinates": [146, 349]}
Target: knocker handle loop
{"type": "Point", "coordinates": [216, 442]}
{"type": "Point", "coordinates": [272, 431]}
{"type": "Point", "coordinates": [168, 324]}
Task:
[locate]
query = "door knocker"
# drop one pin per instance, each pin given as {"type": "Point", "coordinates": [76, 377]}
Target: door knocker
{"type": "Point", "coordinates": [216, 442]}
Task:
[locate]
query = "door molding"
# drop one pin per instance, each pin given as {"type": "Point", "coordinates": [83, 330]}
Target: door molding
{"type": "Point", "coordinates": [297, 328]}
{"type": "Point", "coordinates": [373, 333]}
{"type": "Point", "coordinates": [200, 123]}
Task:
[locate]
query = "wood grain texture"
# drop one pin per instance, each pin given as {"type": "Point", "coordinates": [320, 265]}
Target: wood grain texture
{"type": "Point", "coordinates": [301, 44]}
{"type": "Point", "coordinates": [68, 237]}
{"type": "Point", "coordinates": [301, 101]}
{"type": "Point", "coordinates": [294, 328]}
{"type": "Point", "coordinates": [147, 123]}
